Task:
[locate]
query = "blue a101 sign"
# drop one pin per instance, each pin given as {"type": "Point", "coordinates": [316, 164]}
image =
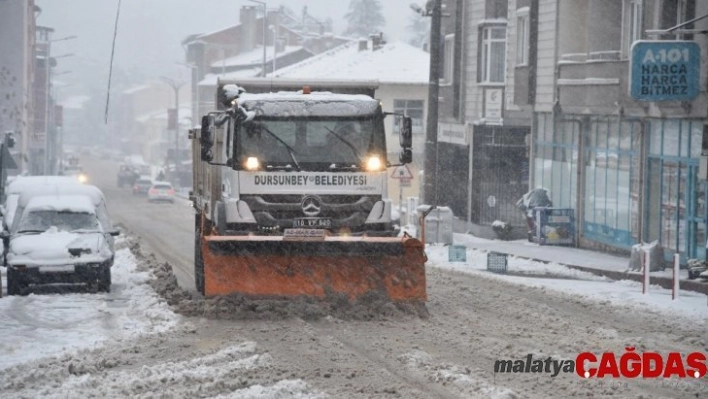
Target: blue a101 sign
{"type": "Point", "coordinates": [665, 70]}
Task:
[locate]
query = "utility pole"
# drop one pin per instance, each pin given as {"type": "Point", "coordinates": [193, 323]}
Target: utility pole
{"type": "Point", "coordinates": [265, 20]}
{"type": "Point", "coordinates": [175, 86]}
{"type": "Point", "coordinates": [433, 9]}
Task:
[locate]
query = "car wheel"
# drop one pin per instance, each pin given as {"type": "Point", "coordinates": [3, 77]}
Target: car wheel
{"type": "Point", "coordinates": [14, 287]}
{"type": "Point", "coordinates": [104, 279]}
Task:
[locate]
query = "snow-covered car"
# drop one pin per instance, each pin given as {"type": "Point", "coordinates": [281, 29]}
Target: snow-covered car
{"type": "Point", "coordinates": [161, 191]}
{"type": "Point", "coordinates": [142, 185]}
{"type": "Point", "coordinates": [59, 239]}
{"type": "Point", "coordinates": [17, 204]}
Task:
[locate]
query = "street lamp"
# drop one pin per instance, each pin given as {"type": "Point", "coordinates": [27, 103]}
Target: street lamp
{"type": "Point", "coordinates": [275, 45]}
{"type": "Point", "coordinates": [48, 169]}
{"type": "Point", "coordinates": [265, 12]}
{"type": "Point", "coordinates": [433, 9]}
{"type": "Point", "coordinates": [175, 86]}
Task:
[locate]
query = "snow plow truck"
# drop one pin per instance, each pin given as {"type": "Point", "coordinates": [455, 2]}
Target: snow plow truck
{"type": "Point", "coordinates": [290, 193]}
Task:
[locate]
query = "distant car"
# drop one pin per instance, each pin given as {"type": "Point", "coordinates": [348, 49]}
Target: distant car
{"type": "Point", "coordinates": [126, 176]}
{"type": "Point", "coordinates": [60, 239]}
{"type": "Point", "coordinates": [142, 185]}
{"type": "Point", "coordinates": [161, 191]}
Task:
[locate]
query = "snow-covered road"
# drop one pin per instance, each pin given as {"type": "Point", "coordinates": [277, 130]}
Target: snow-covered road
{"type": "Point", "coordinates": [136, 347]}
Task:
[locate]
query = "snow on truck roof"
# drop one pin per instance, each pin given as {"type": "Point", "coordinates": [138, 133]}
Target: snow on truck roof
{"type": "Point", "coordinates": [61, 203]}
{"type": "Point", "coordinates": [289, 103]}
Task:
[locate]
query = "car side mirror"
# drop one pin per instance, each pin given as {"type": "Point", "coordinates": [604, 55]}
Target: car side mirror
{"type": "Point", "coordinates": [406, 156]}
{"type": "Point", "coordinates": [405, 132]}
{"type": "Point", "coordinates": [207, 138]}
{"type": "Point", "coordinates": [114, 233]}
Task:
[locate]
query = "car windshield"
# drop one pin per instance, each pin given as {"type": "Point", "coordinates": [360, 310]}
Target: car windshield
{"type": "Point", "coordinates": [338, 141]}
{"type": "Point", "coordinates": [40, 221]}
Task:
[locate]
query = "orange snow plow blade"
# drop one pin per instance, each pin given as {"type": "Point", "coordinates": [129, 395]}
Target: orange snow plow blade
{"type": "Point", "coordinates": [269, 266]}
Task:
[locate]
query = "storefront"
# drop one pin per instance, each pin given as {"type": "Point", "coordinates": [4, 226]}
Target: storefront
{"type": "Point", "coordinates": [616, 178]}
{"type": "Point", "coordinates": [675, 206]}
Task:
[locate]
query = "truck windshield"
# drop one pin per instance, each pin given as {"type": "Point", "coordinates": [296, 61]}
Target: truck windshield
{"type": "Point", "coordinates": [314, 143]}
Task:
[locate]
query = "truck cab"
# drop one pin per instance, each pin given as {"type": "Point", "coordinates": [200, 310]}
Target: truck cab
{"type": "Point", "coordinates": [300, 159]}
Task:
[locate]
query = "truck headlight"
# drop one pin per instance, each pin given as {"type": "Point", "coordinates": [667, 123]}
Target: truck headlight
{"type": "Point", "coordinates": [373, 163]}
{"type": "Point", "coordinates": [252, 163]}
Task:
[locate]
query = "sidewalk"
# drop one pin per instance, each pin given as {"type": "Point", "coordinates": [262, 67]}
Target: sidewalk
{"type": "Point", "coordinates": [598, 263]}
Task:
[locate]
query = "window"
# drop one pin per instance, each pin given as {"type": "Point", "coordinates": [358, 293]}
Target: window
{"type": "Point", "coordinates": [413, 109]}
{"type": "Point", "coordinates": [522, 37]}
{"type": "Point", "coordinates": [449, 59]}
{"type": "Point", "coordinates": [492, 56]}
{"type": "Point", "coordinates": [632, 24]}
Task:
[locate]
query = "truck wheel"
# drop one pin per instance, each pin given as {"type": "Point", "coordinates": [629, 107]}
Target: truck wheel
{"type": "Point", "coordinates": [13, 286]}
{"type": "Point", "coordinates": [198, 264]}
{"type": "Point", "coordinates": [104, 279]}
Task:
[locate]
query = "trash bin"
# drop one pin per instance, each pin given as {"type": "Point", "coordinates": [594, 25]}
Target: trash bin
{"type": "Point", "coordinates": [457, 253]}
{"type": "Point", "coordinates": [438, 224]}
{"type": "Point", "coordinates": [497, 262]}
{"type": "Point", "coordinates": [555, 226]}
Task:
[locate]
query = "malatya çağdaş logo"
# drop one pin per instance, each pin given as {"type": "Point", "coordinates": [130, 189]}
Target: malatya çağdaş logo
{"type": "Point", "coordinates": [630, 364]}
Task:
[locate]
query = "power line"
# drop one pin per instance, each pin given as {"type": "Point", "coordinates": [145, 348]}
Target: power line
{"type": "Point", "coordinates": [110, 70]}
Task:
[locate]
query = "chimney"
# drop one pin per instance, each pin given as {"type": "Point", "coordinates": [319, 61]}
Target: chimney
{"type": "Point", "coordinates": [363, 45]}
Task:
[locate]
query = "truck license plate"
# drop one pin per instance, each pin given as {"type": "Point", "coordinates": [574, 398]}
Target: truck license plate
{"type": "Point", "coordinates": [312, 223]}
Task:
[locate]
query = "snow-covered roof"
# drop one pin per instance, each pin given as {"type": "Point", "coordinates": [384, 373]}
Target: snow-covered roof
{"type": "Point", "coordinates": [254, 57]}
{"type": "Point", "coordinates": [65, 203]}
{"type": "Point", "coordinates": [185, 113]}
{"type": "Point", "coordinates": [136, 89]}
{"type": "Point", "coordinates": [75, 102]}
{"type": "Point", "coordinates": [210, 79]}
{"type": "Point", "coordinates": [316, 103]}
{"type": "Point", "coordinates": [396, 62]}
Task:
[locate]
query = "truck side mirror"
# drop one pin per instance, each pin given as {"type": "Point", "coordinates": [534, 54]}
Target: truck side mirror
{"type": "Point", "coordinates": [207, 138]}
{"type": "Point", "coordinates": [406, 156]}
{"type": "Point", "coordinates": [405, 131]}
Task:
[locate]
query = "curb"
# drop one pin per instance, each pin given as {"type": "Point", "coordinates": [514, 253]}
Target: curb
{"type": "Point", "coordinates": [664, 282]}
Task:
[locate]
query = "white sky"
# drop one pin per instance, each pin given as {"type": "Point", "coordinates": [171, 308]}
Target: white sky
{"type": "Point", "coordinates": [150, 31]}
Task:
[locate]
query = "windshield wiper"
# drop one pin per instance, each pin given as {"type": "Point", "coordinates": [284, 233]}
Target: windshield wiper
{"type": "Point", "coordinates": [345, 141]}
{"type": "Point", "coordinates": [31, 231]}
{"type": "Point", "coordinates": [291, 151]}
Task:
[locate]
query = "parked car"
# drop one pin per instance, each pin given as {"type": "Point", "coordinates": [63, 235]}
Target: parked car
{"type": "Point", "coordinates": [21, 193]}
{"type": "Point", "coordinates": [142, 185]}
{"type": "Point", "coordinates": [161, 191]}
{"type": "Point", "coordinates": [59, 239]}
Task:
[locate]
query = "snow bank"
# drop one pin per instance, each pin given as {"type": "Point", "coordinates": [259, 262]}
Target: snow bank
{"type": "Point", "coordinates": [37, 326]}
{"type": "Point", "coordinates": [690, 306]}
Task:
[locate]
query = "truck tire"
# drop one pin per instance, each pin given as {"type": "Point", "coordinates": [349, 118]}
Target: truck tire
{"type": "Point", "coordinates": [104, 279]}
{"type": "Point", "coordinates": [198, 260]}
{"type": "Point", "coordinates": [13, 286]}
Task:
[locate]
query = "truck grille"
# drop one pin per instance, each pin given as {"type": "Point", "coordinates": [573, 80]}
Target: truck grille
{"type": "Point", "coordinates": [280, 210]}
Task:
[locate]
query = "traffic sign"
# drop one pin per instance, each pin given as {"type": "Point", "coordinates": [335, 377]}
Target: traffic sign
{"type": "Point", "coordinates": [404, 182]}
{"type": "Point", "coordinates": [665, 70]}
{"type": "Point", "coordinates": [402, 172]}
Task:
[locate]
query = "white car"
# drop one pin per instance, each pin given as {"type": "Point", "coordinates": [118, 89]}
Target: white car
{"type": "Point", "coordinates": [161, 191]}
{"type": "Point", "coordinates": [59, 239]}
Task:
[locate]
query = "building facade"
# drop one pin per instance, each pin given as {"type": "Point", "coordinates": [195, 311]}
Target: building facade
{"type": "Point", "coordinates": [17, 38]}
{"type": "Point", "coordinates": [629, 168]}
